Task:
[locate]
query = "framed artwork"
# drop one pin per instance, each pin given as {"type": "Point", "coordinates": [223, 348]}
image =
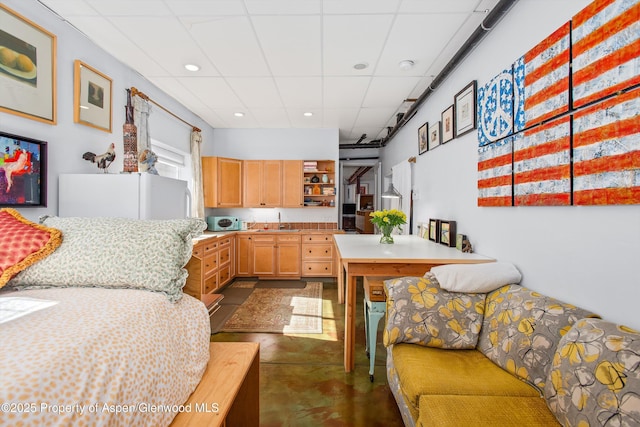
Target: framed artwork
{"type": "Point", "coordinates": [92, 97]}
{"type": "Point", "coordinates": [423, 139]}
{"type": "Point", "coordinates": [460, 238]}
{"type": "Point", "coordinates": [448, 233]}
{"type": "Point", "coordinates": [447, 124]}
{"type": "Point", "coordinates": [434, 230]}
{"type": "Point", "coordinates": [434, 135]}
{"type": "Point", "coordinates": [23, 181]}
{"type": "Point", "coordinates": [465, 109]}
{"type": "Point", "coordinates": [364, 189]}
{"type": "Point", "coordinates": [27, 68]}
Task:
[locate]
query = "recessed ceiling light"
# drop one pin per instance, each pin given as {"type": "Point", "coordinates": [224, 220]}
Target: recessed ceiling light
{"type": "Point", "coordinates": [308, 114]}
{"type": "Point", "coordinates": [361, 66]}
{"type": "Point", "coordinates": [238, 114]}
{"type": "Point", "coordinates": [191, 67]}
{"type": "Point", "coordinates": [406, 64]}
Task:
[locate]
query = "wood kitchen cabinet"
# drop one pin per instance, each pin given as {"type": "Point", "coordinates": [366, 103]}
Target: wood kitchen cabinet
{"type": "Point", "coordinates": [269, 255]}
{"type": "Point", "coordinates": [318, 257]}
{"type": "Point", "coordinates": [264, 255]}
{"type": "Point", "coordinates": [222, 182]}
{"type": "Point", "coordinates": [204, 267]}
{"type": "Point", "coordinates": [262, 183]}
{"type": "Point", "coordinates": [288, 255]}
{"type": "Point", "coordinates": [292, 185]}
{"type": "Point", "coordinates": [244, 255]}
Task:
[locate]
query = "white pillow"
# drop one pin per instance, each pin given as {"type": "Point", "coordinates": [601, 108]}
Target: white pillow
{"type": "Point", "coordinates": [476, 278]}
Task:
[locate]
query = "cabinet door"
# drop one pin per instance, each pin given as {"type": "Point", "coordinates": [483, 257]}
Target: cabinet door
{"type": "Point", "coordinates": [264, 258]}
{"type": "Point", "coordinates": [229, 182]}
{"type": "Point", "coordinates": [210, 181]}
{"type": "Point", "coordinates": [292, 187]}
{"type": "Point", "coordinates": [288, 259]}
{"type": "Point", "coordinates": [244, 255]}
{"type": "Point", "coordinates": [252, 183]}
{"type": "Point", "coordinates": [271, 183]}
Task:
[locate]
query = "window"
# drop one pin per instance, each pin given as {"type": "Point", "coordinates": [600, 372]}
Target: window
{"type": "Point", "coordinates": [172, 162]}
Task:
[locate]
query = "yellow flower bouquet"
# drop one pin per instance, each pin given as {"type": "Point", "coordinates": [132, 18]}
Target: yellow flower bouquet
{"type": "Point", "coordinates": [387, 220]}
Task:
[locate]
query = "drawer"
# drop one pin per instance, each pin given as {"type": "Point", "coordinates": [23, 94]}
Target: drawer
{"type": "Point", "coordinates": [210, 264]}
{"type": "Point", "coordinates": [317, 251]}
{"type": "Point", "coordinates": [210, 247]}
{"type": "Point", "coordinates": [258, 237]}
{"type": "Point", "coordinates": [289, 238]}
{"type": "Point", "coordinates": [317, 238]}
{"type": "Point", "coordinates": [198, 251]}
{"type": "Point", "coordinates": [224, 275]}
{"type": "Point", "coordinates": [317, 268]}
{"type": "Point", "coordinates": [224, 241]}
{"type": "Point", "coordinates": [210, 283]}
{"type": "Point", "coordinates": [224, 255]}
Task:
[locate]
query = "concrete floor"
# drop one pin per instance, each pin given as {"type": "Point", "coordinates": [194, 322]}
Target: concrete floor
{"type": "Point", "coordinates": [302, 378]}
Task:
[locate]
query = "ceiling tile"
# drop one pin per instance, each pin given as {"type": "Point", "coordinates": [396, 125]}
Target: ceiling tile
{"type": "Point", "coordinates": [284, 7]}
{"type": "Point", "coordinates": [348, 40]}
{"type": "Point", "coordinates": [345, 91]}
{"type": "Point", "coordinates": [206, 7]}
{"type": "Point", "coordinates": [299, 120]}
{"type": "Point", "coordinates": [256, 92]}
{"type": "Point", "coordinates": [304, 92]}
{"type": "Point", "coordinates": [342, 118]}
{"type": "Point", "coordinates": [291, 45]}
{"type": "Point", "coordinates": [360, 6]}
{"type": "Point", "coordinates": [70, 7]}
{"type": "Point", "coordinates": [385, 91]}
{"type": "Point", "coordinates": [271, 117]}
{"type": "Point", "coordinates": [237, 36]}
{"type": "Point", "coordinates": [130, 8]}
{"type": "Point", "coordinates": [214, 91]}
{"type": "Point", "coordinates": [437, 6]}
{"type": "Point", "coordinates": [373, 117]}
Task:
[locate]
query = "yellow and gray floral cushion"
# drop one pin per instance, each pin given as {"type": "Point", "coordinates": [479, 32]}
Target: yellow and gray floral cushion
{"type": "Point", "coordinates": [116, 253]}
{"type": "Point", "coordinates": [595, 376]}
{"type": "Point", "coordinates": [420, 312]}
{"type": "Point", "coordinates": [522, 328]}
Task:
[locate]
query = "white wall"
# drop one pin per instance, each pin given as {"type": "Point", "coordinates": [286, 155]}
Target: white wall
{"type": "Point", "coordinates": [67, 141]}
{"type": "Point", "coordinates": [586, 255]}
{"type": "Point", "coordinates": [276, 144]}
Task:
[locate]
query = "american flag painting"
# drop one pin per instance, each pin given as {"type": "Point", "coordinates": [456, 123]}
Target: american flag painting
{"type": "Point", "coordinates": [495, 179]}
{"type": "Point", "coordinates": [495, 108]}
{"type": "Point", "coordinates": [541, 79]}
{"type": "Point", "coordinates": [606, 49]}
{"type": "Point", "coordinates": [606, 152]}
{"type": "Point", "coordinates": [542, 164]}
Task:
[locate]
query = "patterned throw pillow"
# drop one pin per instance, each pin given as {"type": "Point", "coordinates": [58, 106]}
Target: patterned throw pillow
{"type": "Point", "coordinates": [522, 328]}
{"type": "Point", "coordinates": [23, 243]}
{"type": "Point", "coordinates": [420, 312]}
{"type": "Point", "coordinates": [117, 253]}
{"type": "Point", "coordinates": [595, 376]}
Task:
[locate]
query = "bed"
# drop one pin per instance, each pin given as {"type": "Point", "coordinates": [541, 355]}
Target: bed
{"type": "Point", "coordinates": [91, 337]}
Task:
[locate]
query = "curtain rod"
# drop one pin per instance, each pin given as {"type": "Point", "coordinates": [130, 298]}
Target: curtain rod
{"type": "Point", "coordinates": [135, 92]}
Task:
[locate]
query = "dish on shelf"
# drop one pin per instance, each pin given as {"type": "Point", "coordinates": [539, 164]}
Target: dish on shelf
{"type": "Point", "coordinates": [313, 203]}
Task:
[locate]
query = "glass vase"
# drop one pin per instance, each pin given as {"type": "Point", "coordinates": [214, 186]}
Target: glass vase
{"type": "Point", "coordinates": [386, 234]}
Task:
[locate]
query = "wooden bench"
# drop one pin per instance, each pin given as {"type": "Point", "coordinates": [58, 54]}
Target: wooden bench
{"type": "Point", "coordinates": [230, 386]}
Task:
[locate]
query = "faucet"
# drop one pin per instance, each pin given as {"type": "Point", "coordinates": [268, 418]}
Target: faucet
{"type": "Point", "coordinates": [280, 226]}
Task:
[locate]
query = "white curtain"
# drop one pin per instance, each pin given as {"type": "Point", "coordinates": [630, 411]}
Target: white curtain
{"type": "Point", "coordinates": [197, 203]}
{"type": "Point", "coordinates": [141, 111]}
{"type": "Point", "coordinates": [401, 179]}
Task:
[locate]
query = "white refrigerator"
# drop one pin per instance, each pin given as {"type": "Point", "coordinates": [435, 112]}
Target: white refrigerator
{"type": "Point", "coordinates": [131, 195]}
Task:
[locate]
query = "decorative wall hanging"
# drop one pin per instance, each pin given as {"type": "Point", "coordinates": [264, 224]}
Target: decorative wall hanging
{"type": "Point", "coordinates": [92, 97]}
{"type": "Point", "coordinates": [606, 152]}
{"type": "Point", "coordinates": [434, 135]}
{"type": "Point", "coordinates": [495, 178]}
{"type": "Point", "coordinates": [495, 108]}
{"type": "Point", "coordinates": [130, 138]}
{"type": "Point", "coordinates": [27, 68]}
{"type": "Point", "coordinates": [606, 49]}
{"type": "Point", "coordinates": [541, 79]}
{"type": "Point", "coordinates": [465, 109]}
{"type": "Point", "coordinates": [423, 138]}
{"type": "Point", "coordinates": [447, 124]}
{"type": "Point", "coordinates": [542, 164]}
{"type": "Point", "coordinates": [23, 171]}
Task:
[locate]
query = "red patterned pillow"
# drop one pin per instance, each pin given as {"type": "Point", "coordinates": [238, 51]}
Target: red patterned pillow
{"type": "Point", "coordinates": [23, 243]}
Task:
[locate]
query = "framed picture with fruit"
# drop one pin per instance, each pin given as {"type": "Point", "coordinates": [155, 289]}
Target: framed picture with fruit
{"type": "Point", "coordinates": [27, 68]}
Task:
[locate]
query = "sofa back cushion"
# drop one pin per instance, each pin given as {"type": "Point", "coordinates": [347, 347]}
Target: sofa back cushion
{"type": "Point", "coordinates": [595, 375]}
{"type": "Point", "coordinates": [420, 312]}
{"type": "Point", "coordinates": [522, 328]}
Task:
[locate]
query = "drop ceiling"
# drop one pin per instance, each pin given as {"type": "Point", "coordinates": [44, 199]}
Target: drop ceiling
{"type": "Point", "coordinates": [274, 60]}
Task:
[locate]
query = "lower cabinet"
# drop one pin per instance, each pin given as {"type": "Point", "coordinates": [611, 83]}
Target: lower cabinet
{"type": "Point", "coordinates": [318, 255]}
{"type": "Point", "coordinates": [288, 255]}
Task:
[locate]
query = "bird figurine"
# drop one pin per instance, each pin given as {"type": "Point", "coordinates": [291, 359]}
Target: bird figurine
{"type": "Point", "coordinates": [102, 160]}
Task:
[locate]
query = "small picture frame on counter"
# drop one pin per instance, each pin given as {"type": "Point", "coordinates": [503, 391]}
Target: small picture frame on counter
{"type": "Point", "coordinates": [448, 233]}
{"type": "Point", "coordinates": [459, 239]}
{"type": "Point", "coordinates": [434, 230]}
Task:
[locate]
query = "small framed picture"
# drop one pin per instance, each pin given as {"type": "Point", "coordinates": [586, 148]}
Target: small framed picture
{"type": "Point", "coordinates": [434, 135]}
{"type": "Point", "coordinates": [434, 230]}
{"type": "Point", "coordinates": [465, 109]}
{"type": "Point", "coordinates": [92, 97]}
{"type": "Point", "coordinates": [447, 124]}
{"type": "Point", "coordinates": [423, 139]}
{"type": "Point", "coordinates": [460, 238]}
{"type": "Point", "coordinates": [448, 233]}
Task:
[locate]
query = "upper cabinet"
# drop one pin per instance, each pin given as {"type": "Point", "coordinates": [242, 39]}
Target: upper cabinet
{"type": "Point", "coordinates": [222, 182]}
{"type": "Point", "coordinates": [292, 183]}
{"type": "Point", "coordinates": [319, 183]}
{"type": "Point", "coordinates": [262, 183]}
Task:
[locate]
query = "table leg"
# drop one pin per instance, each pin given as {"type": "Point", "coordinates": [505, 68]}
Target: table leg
{"type": "Point", "coordinates": [341, 271]}
{"type": "Point", "coordinates": [350, 323]}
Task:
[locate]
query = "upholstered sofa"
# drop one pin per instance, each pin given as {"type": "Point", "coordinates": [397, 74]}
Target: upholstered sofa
{"type": "Point", "coordinates": [508, 357]}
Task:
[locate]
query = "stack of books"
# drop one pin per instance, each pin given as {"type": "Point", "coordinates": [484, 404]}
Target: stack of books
{"type": "Point", "coordinates": [310, 166]}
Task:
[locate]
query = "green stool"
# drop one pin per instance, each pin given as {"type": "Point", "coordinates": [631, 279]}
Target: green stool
{"type": "Point", "coordinates": [374, 310]}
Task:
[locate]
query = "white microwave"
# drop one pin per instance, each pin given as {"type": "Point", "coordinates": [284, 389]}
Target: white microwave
{"type": "Point", "coordinates": [223, 223]}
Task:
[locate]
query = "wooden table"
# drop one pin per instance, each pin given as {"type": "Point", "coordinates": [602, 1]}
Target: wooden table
{"type": "Point", "coordinates": [363, 255]}
{"type": "Point", "coordinates": [228, 394]}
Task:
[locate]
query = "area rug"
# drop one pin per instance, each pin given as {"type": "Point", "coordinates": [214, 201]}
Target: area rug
{"type": "Point", "coordinates": [280, 310]}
